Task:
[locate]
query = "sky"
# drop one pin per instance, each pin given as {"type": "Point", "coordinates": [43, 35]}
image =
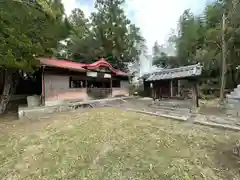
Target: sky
{"type": "Point", "coordinates": [156, 18]}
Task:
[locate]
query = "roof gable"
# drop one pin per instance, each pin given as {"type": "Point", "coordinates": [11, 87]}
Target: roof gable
{"type": "Point", "coordinates": [77, 66]}
{"type": "Point", "coordinates": [174, 73]}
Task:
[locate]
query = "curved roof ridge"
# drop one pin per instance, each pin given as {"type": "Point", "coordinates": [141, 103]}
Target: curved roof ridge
{"type": "Point", "coordinates": [174, 73]}
{"type": "Point", "coordinates": [179, 68]}
{"type": "Point", "coordinates": [103, 62]}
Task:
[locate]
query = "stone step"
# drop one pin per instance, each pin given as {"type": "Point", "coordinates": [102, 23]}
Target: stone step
{"type": "Point", "coordinates": [236, 90]}
{"type": "Point", "coordinates": [171, 106]}
{"type": "Point", "coordinates": [217, 125]}
{"type": "Point", "coordinates": [232, 96]}
{"type": "Point", "coordinates": [173, 112]}
{"type": "Point", "coordinates": [232, 112]}
{"type": "Point", "coordinates": [162, 114]}
{"type": "Point", "coordinates": [162, 103]}
{"type": "Point", "coordinates": [182, 110]}
{"type": "Point", "coordinates": [235, 93]}
{"type": "Point", "coordinates": [172, 116]}
{"type": "Point", "coordinates": [230, 106]}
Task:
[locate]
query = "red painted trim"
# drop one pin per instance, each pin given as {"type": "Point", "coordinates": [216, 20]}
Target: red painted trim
{"type": "Point", "coordinates": [80, 66]}
{"type": "Point", "coordinates": [104, 63]}
{"type": "Point", "coordinates": [62, 64]}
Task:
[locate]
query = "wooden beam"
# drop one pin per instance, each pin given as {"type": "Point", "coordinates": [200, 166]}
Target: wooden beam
{"type": "Point", "coordinates": [179, 87]}
{"type": "Point", "coordinates": [43, 87]}
{"type": "Point", "coordinates": [171, 87]}
{"type": "Point", "coordinates": [111, 86]}
{"type": "Point", "coordinates": [224, 59]}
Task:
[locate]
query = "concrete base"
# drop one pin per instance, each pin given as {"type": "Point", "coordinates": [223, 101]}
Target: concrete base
{"type": "Point", "coordinates": [36, 112]}
{"type": "Point", "coordinates": [232, 105]}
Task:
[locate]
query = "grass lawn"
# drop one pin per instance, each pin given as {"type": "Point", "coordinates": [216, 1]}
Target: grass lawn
{"type": "Point", "coordinates": [111, 144]}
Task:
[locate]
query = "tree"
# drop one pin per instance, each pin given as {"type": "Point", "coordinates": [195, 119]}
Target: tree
{"type": "Point", "coordinates": [107, 34]}
{"type": "Point", "coordinates": [222, 39]}
{"type": "Point", "coordinates": [117, 36]}
{"type": "Point", "coordinates": [81, 44]}
{"type": "Point", "coordinates": [37, 28]}
{"type": "Point", "coordinates": [33, 29]}
{"type": "Point", "coordinates": [199, 39]}
{"type": "Point", "coordinates": [162, 58]}
{"type": "Point", "coordinates": [189, 38]}
{"type": "Point", "coordinates": [188, 41]}
{"type": "Point", "coordinates": [156, 50]}
{"type": "Point", "coordinates": [159, 57]}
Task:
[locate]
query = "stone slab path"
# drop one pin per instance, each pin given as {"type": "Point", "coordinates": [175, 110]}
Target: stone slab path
{"type": "Point", "coordinates": [177, 111]}
{"type": "Point", "coordinates": [174, 109]}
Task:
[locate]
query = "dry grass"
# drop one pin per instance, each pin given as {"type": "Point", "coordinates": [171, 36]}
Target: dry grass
{"type": "Point", "coordinates": [112, 144]}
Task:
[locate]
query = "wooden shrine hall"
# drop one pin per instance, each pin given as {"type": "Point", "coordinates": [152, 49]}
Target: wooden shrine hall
{"type": "Point", "coordinates": [166, 83]}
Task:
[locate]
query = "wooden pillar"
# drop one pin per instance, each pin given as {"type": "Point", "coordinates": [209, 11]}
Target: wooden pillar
{"type": "Point", "coordinates": [152, 90]}
{"type": "Point", "coordinates": [86, 86]}
{"type": "Point", "coordinates": [43, 87]}
{"type": "Point", "coordinates": [171, 87]}
{"type": "Point", "coordinates": [179, 87]}
{"type": "Point", "coordinates": [111, 86]}
{"type": "Point", "coordinates": [195, 103]}
{"type": "Point", "coordinates": [157, 90]}
{"type": "Point", "coordinates": [86, 83]}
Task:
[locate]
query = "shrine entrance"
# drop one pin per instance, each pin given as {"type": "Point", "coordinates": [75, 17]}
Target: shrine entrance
{"type": "Point", "coordinates": [167, 83]}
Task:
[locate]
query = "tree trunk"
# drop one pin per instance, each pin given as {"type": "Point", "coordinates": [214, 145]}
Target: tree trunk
{"type": "Point", "coordinates": [224, 56]}
{"type": "Point", "coordinates": [8, 90]}
{"type": "Point", "coordinates": [195, 102]}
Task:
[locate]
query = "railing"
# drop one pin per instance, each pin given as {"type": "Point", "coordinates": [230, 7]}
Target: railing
{"type": "Point", "coordinates": [99, 93]}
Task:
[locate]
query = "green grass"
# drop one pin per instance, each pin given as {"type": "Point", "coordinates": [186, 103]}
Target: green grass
{"type": "Point", "coordinates": [112, 144]}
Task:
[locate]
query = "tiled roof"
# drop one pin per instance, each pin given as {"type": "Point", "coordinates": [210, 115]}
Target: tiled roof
{"type": "Point", "coordinates": [67, 64]}
{"type": "Point", "coordinates": [181, 72]}
{"type": "Point", "coordinates": [62, 64]}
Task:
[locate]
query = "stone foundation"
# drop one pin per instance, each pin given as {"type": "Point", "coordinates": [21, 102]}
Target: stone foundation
{"type": "Point", "coordinates": [232, 105]}
{"type": "Point", "coordinates": [34, 113]}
